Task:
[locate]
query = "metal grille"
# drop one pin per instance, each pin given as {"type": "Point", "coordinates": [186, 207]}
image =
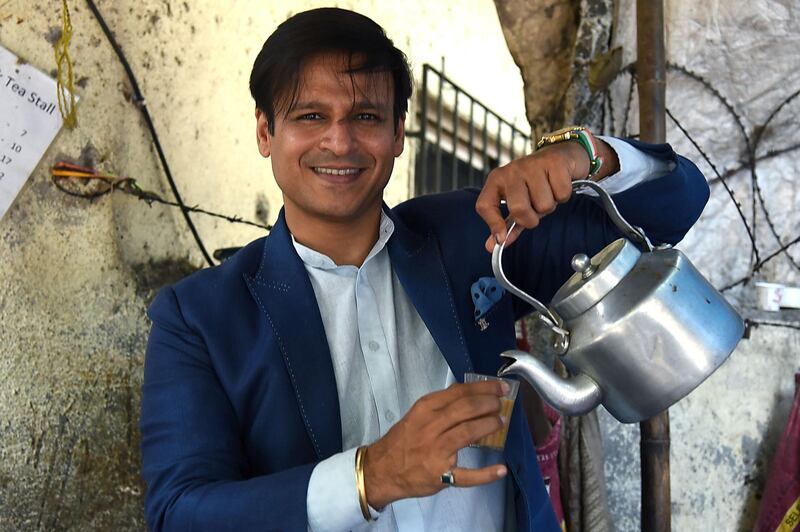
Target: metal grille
{"type": "Point", "coordinates": [460, 139]}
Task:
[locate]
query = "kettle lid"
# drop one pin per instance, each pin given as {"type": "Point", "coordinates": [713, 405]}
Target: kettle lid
{"type": "Point", "coordinates": [594, 278]}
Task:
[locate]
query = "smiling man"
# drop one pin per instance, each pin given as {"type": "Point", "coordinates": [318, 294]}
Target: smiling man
{"type": "Point", "coordinates": [332, 153]}
{"type": "Point", "coordinates": [314, 381]}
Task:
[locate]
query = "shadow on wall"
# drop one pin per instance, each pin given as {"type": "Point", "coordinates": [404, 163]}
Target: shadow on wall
{"type": "Point", "coordinates": [152, 276]}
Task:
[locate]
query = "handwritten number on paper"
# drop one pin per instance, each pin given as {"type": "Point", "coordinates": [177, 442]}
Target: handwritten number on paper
{"type": "Point", "coordinates": [16, 147]}
{"type": "Point", "coordinates": [6, 159]}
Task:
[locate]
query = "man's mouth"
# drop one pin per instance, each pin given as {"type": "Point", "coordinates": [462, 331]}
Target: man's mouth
{"type": "Point", "coordinates": [338, 176]}
{"type": "Point", "coordinates": [337, 171]}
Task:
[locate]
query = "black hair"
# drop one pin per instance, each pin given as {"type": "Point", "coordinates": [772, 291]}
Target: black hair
{"type": "Point", "coordinates": [275, 77]}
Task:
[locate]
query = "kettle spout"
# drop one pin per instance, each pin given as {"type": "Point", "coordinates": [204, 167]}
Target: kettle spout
{"type": "Point", "coordinates": [574, 396]}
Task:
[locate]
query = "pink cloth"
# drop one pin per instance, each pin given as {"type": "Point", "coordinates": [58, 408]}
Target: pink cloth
{"type": "Point", "coordinates": [780, 506]}
{"type": "Point", "coordinates": [547, 453]}
{"type": "Point", "coordinates": [547, 456]}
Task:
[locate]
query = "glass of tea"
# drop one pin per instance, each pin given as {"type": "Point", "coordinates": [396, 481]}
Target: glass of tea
{"type": "Point", "coordinates": [497, 440]}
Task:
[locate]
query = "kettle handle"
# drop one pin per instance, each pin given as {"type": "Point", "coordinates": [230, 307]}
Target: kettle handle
{"type": "Point", "coordinates": [545, 315]}
{"type": "Point", "coordinates": [632, 232]}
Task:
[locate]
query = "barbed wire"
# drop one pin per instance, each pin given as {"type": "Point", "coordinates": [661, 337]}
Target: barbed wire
{"type": "Point", "coordinates": [749, 162]}
{"type": "Point", "coordinates": [748, 323]}
{"type": "Point", "coordinates": [736, 203]}
{"type": "Point", "coordinates": [87, 183]}
{"type": "Point", "coordinates": [760, 265]}
{"type": "Point", "coordinates": [752, 161]}
{"type": "Point", "coordinates": [746, 165]}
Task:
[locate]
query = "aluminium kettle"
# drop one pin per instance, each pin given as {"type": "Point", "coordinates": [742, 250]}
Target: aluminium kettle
{"type": "Point", "coordinates": [637, 330]}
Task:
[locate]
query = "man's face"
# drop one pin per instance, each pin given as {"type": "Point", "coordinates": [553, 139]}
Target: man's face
{"type": "Point", "coordinates": [333, 152]}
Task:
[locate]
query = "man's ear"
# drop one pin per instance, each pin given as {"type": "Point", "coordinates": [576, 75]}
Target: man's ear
{"type": "Point", "coordinates": [263, 137]}
{"type": "Point", "coordinates": [400, 136]}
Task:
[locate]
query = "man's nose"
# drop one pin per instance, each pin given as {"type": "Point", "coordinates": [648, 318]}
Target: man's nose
{"type": "Point", "coordinates": [339, 138]}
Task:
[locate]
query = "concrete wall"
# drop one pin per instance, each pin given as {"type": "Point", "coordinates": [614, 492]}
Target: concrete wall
{"type": "Point", "coordinates": [724, 434]}
{"type": "Point", "coordinates": [76, 276]}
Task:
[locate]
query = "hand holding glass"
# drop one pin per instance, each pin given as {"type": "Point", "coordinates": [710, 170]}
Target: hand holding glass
{"type": "Point", "coordinates": [497, 440]}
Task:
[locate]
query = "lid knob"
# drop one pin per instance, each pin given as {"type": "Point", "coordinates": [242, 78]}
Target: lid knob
{"type": "Point", "coordinates": [582, 264]}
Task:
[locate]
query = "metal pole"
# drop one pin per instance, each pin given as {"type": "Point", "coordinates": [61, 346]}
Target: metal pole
{"type": "Point", "coordinates": [455, 169]}
{"type": "Point", "coordinates": [421, 181]}
{"type": "Point", "coordinates": [471, 147]}
{"type": "Point", "coordinates": [651, 70]}
{"type": "Point", "coordinates": [437, 172]}
{"type": "Point", "coordinates": [485, 144]}
{"type": "Point", "coordinates": [654, 432]}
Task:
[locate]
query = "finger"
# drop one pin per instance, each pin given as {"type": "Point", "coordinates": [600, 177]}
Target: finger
{"type": "Point", "coordinates": [470, 431]}
{"type": "Point", "coordinates": [488, 207]}
{"type": "Point", "coordinates": [560, 184]}
{"type": "Point", "coordinates": [491, 241]}
{"type": "Point", "coordinates": [439, 400]}
{"type": "Point", "coordinates": [541, 195]}
{"type": "Point", "coordinates": [473, 406]}
{"type": "Point", "coordinates": [465, 409]}
{"type": "Point", "coordinates": [520, 209]}
{"type": "Point", "coordinates": [466, 478]}
{"type": "Point", "coordinates": [514, 234]}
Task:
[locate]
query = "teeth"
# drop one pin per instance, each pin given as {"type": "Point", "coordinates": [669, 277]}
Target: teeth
{"type": "Point", "coordinates": [336, 171]}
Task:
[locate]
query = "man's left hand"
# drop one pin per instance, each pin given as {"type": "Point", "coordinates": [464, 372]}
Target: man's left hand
{"type": "Point", "coordinates": [533, 185]}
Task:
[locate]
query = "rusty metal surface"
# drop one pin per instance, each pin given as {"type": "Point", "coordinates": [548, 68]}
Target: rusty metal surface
{"type": "Point", "coordinates": [651, 73]}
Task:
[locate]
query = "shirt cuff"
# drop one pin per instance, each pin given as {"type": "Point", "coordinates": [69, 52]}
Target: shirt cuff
{"type": "Point", "coordinates": [635, 167]}
{"type": "Point", "coordinates": [332, 498]}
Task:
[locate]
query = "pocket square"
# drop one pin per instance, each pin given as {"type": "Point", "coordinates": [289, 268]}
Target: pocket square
{"type": "Point", "coordinates": [486, 292]}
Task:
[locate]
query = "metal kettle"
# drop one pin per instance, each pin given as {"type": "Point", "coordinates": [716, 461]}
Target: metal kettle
{"type": "Point", "coordinates": [637, 330]}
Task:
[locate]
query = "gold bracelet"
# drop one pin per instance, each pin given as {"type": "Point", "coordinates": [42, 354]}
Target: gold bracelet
{"type": "Point", "coordinates": [362, 491]}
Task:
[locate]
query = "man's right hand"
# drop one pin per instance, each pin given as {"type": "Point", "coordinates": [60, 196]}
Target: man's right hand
{"type": "Point", "coordinates": [411, 458]}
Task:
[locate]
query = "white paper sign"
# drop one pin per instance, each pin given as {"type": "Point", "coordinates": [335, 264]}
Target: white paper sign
{"type": "Point", "coordinates": [29, 121]}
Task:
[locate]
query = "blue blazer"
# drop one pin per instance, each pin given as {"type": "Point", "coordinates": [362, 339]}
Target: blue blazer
{"type": "Point", "coordinates": [239, 401]}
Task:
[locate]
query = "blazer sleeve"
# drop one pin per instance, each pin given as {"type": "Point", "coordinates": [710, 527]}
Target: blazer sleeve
{"type": "Point", "coordinates": [192, 457]}
{"type": "Point", "coordinates": [665, 208]}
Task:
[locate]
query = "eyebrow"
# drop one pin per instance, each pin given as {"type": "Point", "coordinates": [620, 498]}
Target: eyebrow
{"type": "Point", "coordinates": [359, 105]}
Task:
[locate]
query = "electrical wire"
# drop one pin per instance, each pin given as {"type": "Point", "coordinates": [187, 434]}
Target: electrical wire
{"type": "Point", "coordinates": [139, 100]}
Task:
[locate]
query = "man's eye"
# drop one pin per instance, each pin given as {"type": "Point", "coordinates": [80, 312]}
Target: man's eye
{"type": "Point", "coordinates": [310, 116]}
{"type": "Point", "coordinates": [367, 116]}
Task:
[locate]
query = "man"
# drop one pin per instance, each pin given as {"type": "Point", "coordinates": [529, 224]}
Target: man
{"type": "Point", "coordinates": [313, 380]}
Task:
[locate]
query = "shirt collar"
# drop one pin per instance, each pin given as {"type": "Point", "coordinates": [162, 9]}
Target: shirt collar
{"type": "Point", "coordinates": [315, 259]}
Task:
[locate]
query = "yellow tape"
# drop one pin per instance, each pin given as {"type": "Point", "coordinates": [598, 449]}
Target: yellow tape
{"type": "Point", "coordinates": [66, 95]}
{"type": "Point", "coordinates": [791, 519]}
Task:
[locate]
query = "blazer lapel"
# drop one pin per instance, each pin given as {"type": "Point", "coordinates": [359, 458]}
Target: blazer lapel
{"type": "Point", "coordinates": [283, 292]}
{"type": "Point", "coordinates": [418, 263]}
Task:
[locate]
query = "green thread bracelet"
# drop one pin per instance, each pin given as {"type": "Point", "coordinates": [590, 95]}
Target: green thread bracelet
{"type": "Point", "coordinates": [584, 138]}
